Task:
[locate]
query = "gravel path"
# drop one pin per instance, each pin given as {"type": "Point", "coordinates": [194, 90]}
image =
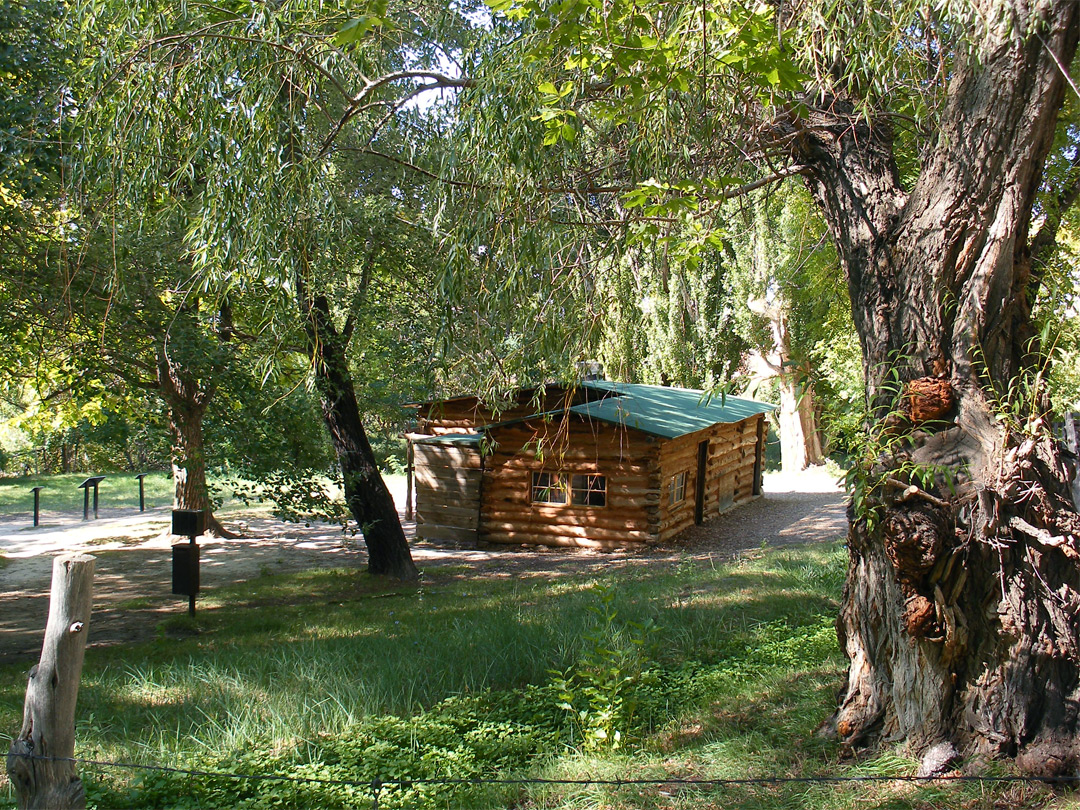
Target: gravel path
{"type": "Point", "coordinates": [133, 572]}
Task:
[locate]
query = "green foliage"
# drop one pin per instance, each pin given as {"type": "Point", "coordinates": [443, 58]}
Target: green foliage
{"type": "Point", "coordinates": [840, 381]}
{"type": "Point", "coordinates": [34, 61]}
{"type": "Point", "coordinates": [879, 457]}
{"type": "Point", "coordinates": [329, 675]}
{"type": "Point", "coordinates": [460, 738]}
{"type": "Point", "coordinates": [598, 693]}
{"type": "Point", "coordinates": [297, 494]}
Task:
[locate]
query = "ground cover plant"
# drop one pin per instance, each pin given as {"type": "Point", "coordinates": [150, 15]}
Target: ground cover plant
{"type": "Point", "coordinates": [697, 670]}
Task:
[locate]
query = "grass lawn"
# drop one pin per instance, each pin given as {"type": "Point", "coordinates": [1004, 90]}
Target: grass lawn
{"type": "Point", "coordinates": [673, 671]}
{"type": "Point", "coordinates": [62, 493]}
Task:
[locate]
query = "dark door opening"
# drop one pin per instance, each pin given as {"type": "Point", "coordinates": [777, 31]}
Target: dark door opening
{"type": "Point", "coordinates": [699, 486]}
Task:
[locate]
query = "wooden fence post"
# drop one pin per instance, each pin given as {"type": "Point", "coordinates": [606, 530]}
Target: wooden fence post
{"type": "Point", "coordinates": [48, 728]}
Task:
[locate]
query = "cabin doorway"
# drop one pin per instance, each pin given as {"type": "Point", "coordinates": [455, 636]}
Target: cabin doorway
{"type": "Point", "coordinates": [699, 486]}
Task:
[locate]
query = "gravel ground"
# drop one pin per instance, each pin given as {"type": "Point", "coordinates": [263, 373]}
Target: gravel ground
{"type": "Point", "coordinates": [133, 571]}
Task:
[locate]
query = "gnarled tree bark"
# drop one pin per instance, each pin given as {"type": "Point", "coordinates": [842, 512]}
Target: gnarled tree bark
{"type": "Point", "coordinates": [959, 612]}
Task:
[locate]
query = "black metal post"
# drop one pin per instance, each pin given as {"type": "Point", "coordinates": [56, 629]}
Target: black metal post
{"type": "Point", "coordinates": [191, 596]}
{"type": "Point", "coordinates": [92, 481]}
{"type": "Point", "coordinates": [142, 493]}
{"type": "Point", "coordinates": [37, 504]}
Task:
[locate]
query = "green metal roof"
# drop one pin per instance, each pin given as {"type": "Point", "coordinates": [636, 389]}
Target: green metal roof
{"type": "Point", "coordinates": [663, 411]}
{"type": "Point", "coordinates": [453, 439]}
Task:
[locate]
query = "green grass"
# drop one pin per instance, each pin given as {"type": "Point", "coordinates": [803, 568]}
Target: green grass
{"type": "Point", "coordinates": [62, 493]}
{"type": "Point", "coordinates": [704, 671]}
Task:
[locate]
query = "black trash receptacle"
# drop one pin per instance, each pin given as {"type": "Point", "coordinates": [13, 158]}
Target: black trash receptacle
{"type": "Point", "coordinates": [185, 569]}
{"type": "Point", "coordinates": [188, 522]}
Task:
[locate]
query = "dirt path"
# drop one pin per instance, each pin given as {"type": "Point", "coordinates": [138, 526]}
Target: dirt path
{"type": "Point", "coordinates": [133, 572]}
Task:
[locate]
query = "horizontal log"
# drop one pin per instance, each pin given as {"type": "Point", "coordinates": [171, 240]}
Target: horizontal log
{"type": "Point", "coordinates": [616, 523]}
{"type": "Point", "coordinates": [440, 477]}
{"type": "Point", "coordinates": [560, 542]}
{"type": "Point", "coordinates": [589, 533]}
{"type": "Point", "coordinates": [447, 533]}
{"type": "Point", "coordinates": [519, 501]}
{"type": "Point", "coordinates": [668, 532]}
{"type": "Point", "coordinates": [436, 485]}
{"type": "Point", "coordinates": [449, 521]}
{"type": "Point", "coordinates": [733, 457]}
{"type": "Point", "coordinates": [495, 481]}
{"type": "Point", "coordinates": [445, 455]}
{"type": "Point", "coordinates": [582, 464]}
{"type": "Point", "coordinates": [718, 454]}
{"type": "Point", "coordinates": [448, 466]}
{"type": "Point", "coordinates": [437, 516]}
{"type": "Point", "coordinates": [456, 508]}
{"type": "Point", "coordinates": [449, 495]}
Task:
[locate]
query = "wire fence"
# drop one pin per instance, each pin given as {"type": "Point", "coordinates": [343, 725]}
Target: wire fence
{"type": "Point", "coordinates": [380, 787]}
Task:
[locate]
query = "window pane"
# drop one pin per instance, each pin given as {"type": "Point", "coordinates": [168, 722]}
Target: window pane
{"type": "Point", "coordinates": [588, 490]}
{"type": "Point", "coordinates": [677, 488]}
{"type": "Point", "coordinates": [548, 488]}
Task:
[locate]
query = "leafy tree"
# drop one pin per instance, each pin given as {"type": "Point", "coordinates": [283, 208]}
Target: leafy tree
{"type": "Point", "coordinates": [789, 301]}
{"type": "Point", "coordinates": [922, 134]}
{"type": "Point", "coordinates": [270, 125]}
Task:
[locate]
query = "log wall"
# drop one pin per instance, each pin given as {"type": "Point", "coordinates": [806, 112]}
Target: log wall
{"type": "Point", "coordinates": [732, 472]}
{"type": "Point", "coordinates": [628, 459]}
{"type": "Point", "coordinates": [448, 488]}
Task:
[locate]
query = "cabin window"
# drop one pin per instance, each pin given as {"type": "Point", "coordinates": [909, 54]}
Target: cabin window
{"type": "Point", "coordinates": [588, 490]}
{"type": "Point", "coordinates": [677, 492]}
{"type": "Point", "coordinates": [563, 488]}
{"type": "Point", "coordinates": [548, 487]}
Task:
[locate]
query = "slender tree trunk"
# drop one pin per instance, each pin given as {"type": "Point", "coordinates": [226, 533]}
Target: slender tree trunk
{"type": "Point", "coordinates": [800, 445]}
{"type": "Point", "coordinates": [959, 612]}
{"type": "Point", "coordinates": [365, 492]}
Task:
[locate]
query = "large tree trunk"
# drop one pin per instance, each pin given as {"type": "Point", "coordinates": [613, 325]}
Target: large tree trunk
{"type": "Point", "coordinates": [365, 492]}
{"type": "Point", "coordinates": [187, 401]}
{"type": "Point", "coordinates": [800, 440]}
{"type": "Point", "coordinates": [959, 612]}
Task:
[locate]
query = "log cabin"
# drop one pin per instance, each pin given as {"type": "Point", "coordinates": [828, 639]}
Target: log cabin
{"type": "Point", "coordinates": [599, 464]}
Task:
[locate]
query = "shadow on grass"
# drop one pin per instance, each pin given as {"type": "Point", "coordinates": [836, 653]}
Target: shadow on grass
{"type": "Point", "coordinates": [333, 672]}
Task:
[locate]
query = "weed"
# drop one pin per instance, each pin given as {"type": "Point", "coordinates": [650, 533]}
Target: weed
{"type": "Point", "coordinates": [598, 691]}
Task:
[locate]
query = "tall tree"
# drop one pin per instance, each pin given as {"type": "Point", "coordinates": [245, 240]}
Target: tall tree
{"type": "Point", "coordinates": [788, 282]}
{"type": "Point", "coordinates": [922, 134]}
{"type": "Point", "coordinates": [276, 119]}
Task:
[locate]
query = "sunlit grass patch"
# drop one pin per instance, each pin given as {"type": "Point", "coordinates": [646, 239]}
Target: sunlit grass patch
{"type": "Point", "coordinates": [695, 671]}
